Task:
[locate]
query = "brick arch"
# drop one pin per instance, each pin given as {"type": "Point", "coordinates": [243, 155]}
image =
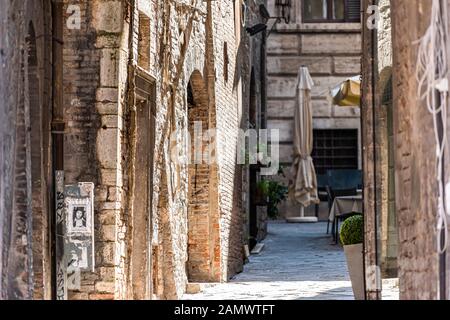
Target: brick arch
{"type": "Point", "coordinates": [203, 264]}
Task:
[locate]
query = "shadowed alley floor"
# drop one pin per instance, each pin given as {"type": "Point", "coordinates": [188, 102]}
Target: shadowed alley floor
{"type": "Point", "coordinates": [298, 261]}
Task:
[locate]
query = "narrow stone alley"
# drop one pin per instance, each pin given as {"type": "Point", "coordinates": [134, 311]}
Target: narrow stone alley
{"type": "Point", "coordinates": [297, 262]}
{"type": "Point", "coordinates": [195, 149]}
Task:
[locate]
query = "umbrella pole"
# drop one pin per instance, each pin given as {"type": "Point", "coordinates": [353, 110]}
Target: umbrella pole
{"type": "Point", "coordinates": [302, 218]}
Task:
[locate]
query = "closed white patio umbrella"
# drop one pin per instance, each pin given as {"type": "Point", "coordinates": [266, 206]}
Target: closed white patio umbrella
{"type": "Point", "coordinates": [304, 186]}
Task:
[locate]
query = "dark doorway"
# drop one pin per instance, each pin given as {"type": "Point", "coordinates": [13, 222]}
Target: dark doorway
{"type": "Point", "coordinates": [253, 124]}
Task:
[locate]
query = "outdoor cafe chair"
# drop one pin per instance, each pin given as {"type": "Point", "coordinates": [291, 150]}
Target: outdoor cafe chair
{"type": "Point", "coordinates": [332, 194]}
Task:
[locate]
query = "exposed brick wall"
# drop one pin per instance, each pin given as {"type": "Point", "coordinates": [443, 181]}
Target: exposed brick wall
{"type": "Point", "coordinates": [416, 194]}
{"type": "Point", "coordinates": [200, 257]}
{"type": "Point", "coordinates": [228, 121]}
{"type": "Point", "coordinates": [24, 149]}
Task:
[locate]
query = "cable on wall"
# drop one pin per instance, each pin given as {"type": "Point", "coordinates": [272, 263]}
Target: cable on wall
{"type": "Point", "coordinates": [432, 73]}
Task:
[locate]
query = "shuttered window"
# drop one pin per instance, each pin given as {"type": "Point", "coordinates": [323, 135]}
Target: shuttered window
{"type": "Point", "coordinates": [353, 10]}
{"type": "Point", "coordinates": [335, 149]}
{"type": "Point", "coordinates": [331, 11]}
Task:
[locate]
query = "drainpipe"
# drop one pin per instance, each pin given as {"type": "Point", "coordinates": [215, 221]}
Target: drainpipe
{"type": "Point", "coordinates": [442, 256]}
{"type": "Point", "coordinates": [443, 288]}
{"type": "Point", "coordinates": [58, 126]}
{"type": "Point", "coordinates": [263, 75]}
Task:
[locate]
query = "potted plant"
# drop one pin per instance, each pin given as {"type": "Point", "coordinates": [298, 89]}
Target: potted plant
{"type": "Point", "coordinates": [275, 193]}
{"type": "Point", "coordinates": [352, 237]}
{"type": "Point", "coordinates": [262, 193]}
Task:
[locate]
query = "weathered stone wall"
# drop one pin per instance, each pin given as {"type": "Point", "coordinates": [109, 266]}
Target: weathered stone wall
{"type": "Point", "coordinates": [24, 149]}
{"type": "Point", "coordinates": [371, 146]}
{"type": "Point", "coordinates": [102, 59]}
{"type": "Point", "coordinates": [94, 92]}
{"type": "Point", "coordinates": [171, 67]}
{"type": "Point", "coordinates": [332, 53]}
{"type": "Point", "coordinates": [81, 78]}
{"type": "Point", "coordinates": [172, 181]}
{"type": "Point", "coordinates": [415, 162]}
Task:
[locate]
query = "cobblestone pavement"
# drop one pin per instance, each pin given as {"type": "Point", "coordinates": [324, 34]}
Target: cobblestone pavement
{"type": "Point", "coordinates": [298, 261]}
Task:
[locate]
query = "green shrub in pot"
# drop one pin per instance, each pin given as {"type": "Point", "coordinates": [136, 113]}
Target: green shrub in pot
{"type": "Point", "coordinates": [352, 230]}
{"type": "Point", "coordinates": [275, 192]}
{"type": "Point", "coordinates": [352, 236]}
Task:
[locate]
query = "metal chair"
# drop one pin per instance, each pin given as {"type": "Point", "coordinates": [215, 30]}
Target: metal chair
{"type": "Point", "coordinates": [332, 194]}
{"type": "Point", "coordinates": [344, 178]}
{"type": "Point", "coordinates": [321, 191]}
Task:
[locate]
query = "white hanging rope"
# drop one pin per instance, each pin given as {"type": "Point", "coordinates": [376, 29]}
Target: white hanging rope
{"type": "Point", "coordinates": [432, 72]}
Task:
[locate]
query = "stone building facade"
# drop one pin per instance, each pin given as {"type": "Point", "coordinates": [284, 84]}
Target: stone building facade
{"type": "Point", "coordinates": [332, 53]}
{"type": "Point", "coordinates": [130, 80]}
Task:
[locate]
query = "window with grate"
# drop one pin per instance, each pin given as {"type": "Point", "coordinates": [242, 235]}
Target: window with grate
{"type": "Point", "coordinates": [331, 11]}
{"type": "Point", "coordinates": [335, 149]}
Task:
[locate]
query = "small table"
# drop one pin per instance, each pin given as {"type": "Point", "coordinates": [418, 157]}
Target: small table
{"type": "Point", "coordinates": [344, 205]}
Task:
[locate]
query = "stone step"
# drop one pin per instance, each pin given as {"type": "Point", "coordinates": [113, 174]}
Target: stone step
{"type": "Point", "coordinates": [258, 248]}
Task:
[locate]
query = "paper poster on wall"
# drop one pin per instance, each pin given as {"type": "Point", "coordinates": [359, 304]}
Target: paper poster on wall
{"type": "Point", "coordinates": [79, 216]}
{"type": "Point", "coordinates": [79, 230]}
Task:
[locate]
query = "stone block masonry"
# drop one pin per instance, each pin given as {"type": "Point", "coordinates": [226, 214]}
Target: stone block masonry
{"type": "Point", "coordinates": [127, 69]}
{"type": "Point", "coordinates": [203, 237]}
{"type": "Point", "coordinates": [332, 53]}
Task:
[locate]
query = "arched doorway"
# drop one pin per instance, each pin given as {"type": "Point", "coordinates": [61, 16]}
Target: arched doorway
{"type": "Point", "coordinates": [386, 213]}
{"type": "Point", "coordinates": [203, 264]}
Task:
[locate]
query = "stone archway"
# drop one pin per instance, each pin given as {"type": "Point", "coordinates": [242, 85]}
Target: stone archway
{"type": "Point", "coordinates": [388, 237]}
{"type": "Point", "coordinates": [203, 264]}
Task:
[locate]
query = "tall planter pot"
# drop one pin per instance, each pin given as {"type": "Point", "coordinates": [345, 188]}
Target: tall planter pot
{"type": "Point", "coordinates": [354, 255]}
